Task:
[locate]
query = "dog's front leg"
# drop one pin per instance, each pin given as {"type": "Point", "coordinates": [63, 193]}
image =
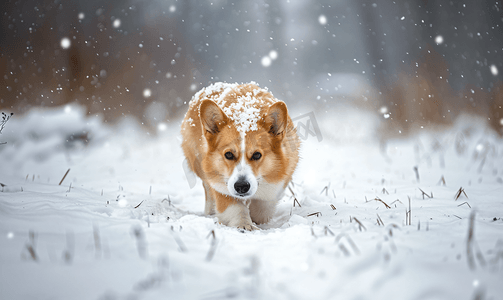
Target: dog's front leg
{"type": "Point", "coordinates": [233, 212]}
{"type": "Point", "coordinates": [209, 206]}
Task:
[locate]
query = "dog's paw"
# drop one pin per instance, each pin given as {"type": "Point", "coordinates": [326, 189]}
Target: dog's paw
{"type": "Point", "coordinates": [244, 225]}
{"type": "Point", "coordinates": [249, 227]}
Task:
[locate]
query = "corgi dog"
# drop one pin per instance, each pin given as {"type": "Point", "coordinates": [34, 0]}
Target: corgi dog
{"type": "Point", "coordinates": [240, 141]}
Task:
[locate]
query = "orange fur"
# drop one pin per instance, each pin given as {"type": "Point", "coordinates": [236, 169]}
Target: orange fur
{"type": "Point", "coordinates": [209, 133]}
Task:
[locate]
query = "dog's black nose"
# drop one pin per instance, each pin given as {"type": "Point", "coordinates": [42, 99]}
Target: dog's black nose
{"type": "Point", "coordinates": [241, 186]}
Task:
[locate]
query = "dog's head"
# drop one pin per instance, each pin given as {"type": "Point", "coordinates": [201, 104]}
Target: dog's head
{"type": "Point", "coordinates": [237, 162]}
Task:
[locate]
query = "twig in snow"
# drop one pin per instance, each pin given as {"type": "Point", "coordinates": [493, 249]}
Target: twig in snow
{"type": "Point", "coordinates": [318, 214]}
{"type": "Point", "coordinates": [64, 176]}
{"type": "Point", "coordinates": [3, 121]}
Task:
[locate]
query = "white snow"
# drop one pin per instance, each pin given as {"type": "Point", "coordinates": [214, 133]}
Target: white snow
{"type": "Point", "coordinates": [244, 113]}
{"type": "Point", "coordinates": [124, 223]}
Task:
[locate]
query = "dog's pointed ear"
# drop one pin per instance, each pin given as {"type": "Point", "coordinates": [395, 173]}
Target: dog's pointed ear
{"type": "Point", "coordinates": [211, 116]}
{"type": "Point", "coordinates": [276, 120]}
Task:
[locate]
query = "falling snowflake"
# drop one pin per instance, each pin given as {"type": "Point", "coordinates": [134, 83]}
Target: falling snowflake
{"type": "Point", "coordinates": [147, 93]}
{"type": "Point", "coordinates": [322, 19]}
{"type": "Point", "coordinates": [117, 23]}
{"type": "Point", "coordinates": [266, 61]}
{"type": "Point", "coordinates": [494, 70]}
{"type": "Point", "coordinates": [65, 43]}
{"type": "Point", "coordinates": [273, 54]}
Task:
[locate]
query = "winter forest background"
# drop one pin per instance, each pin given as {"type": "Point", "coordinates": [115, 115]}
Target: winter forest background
{"type": "Point", "coordinates": [397, 194]}
{"type": "Point", "coordinates": [422, 62]}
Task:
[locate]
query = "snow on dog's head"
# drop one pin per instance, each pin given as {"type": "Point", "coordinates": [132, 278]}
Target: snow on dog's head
{"type": "Point", "coordinates": [243, 126]}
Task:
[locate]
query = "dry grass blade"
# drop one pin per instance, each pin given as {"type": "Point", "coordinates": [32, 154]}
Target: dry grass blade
{"type": "Point", "coordinates": [441, 181]}
{"type": "Point", "coordinates": [327, 230]}
{"type": "Point", "coordinates": [312, 233]}
{"type": "Point", "coordinates": [32, 252]}
{"type": "Point", "coordinates": [97, 241]}
{"type": "Point", "coordinates": [139, 204]}
{"type": "Point", "coordinates": [141, 242]}
{"type": "Point", "coordinates": [344, 250]}
{"type": "Point", "coordinates": [379, 200]}
{"type": "Point", "coordinates": [379, 221]}
{"type": "Point", "coordinates": [64, 176]}
{"type": "Point", "coordinates": [338, 240]}
{"type": "Point", "coordinates": [416, 170]}
{"type": "Point", "coordinates": [360, 225]}
{"type": "Point", "coordinates": [397, 200]}
{"type": "Point", "coordinates": [470, 240]}
{"type": "Point", "coordinates": [384, 191]}
{"type": "Point", "coordinates": [213, 246]}
{"type": "Point", "coordinates": [318, 214]}
{"type": "Point", "coordinates": [181, 245]}
{"type": "Point", "coordinates": [424, 194]}
{"type": "Point", "coordinates": [325, 189]}
{"type": "Point", "coordinates": [459, 192]}
{"type": "Point", "coordinates": [466, 204]}
{"type": "Point", "coordinates": [333, 207]}
{"type": "Point", "coordinates": [294, 197]}
{"type": "Point", "coordinates": [408, 218]}
{"type": "Point", "coordinates": [410, 213]}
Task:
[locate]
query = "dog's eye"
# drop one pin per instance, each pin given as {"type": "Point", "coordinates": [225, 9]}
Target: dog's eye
{"type": "Point", "coordinates": [229, 155]}
{"type": "Point", "coordinates": [256, 156]}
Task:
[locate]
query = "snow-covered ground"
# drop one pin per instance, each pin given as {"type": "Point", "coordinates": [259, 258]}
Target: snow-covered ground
{"type": "Point", "coordinates": [124, 224]}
